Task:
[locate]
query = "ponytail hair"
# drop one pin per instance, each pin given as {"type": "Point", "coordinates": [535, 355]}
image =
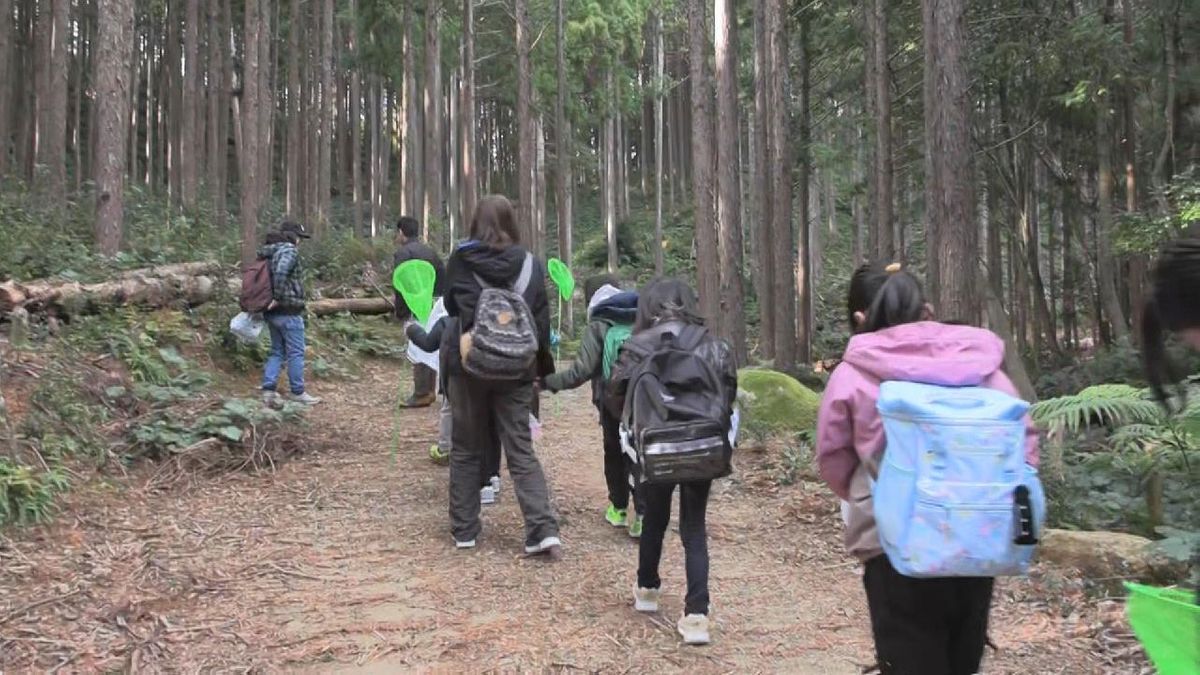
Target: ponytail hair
{"type": "Point", "coordinates": [887, 295]}
{"type": "Point", "coordinates": [1173, 305]}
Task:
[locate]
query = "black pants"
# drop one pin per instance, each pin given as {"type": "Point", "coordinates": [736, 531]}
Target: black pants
{"type": "Point", "coordinates": [616, 464]}
{"type": "Point", "coordinates": [927, 626]}
{"type": "Point", "coordinates": [476, 404]}
{"type": "Point", "coordinates": [693, 503]}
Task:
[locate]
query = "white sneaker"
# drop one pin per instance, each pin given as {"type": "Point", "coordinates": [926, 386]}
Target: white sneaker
{"type": "Point", "coordinates": [305, 398]}
{"type": "Point", "coordinates": [543, 546]}
{"type": "Point", "coordinates": [495, 481]}
{"type": "Point", "coordinates": [470, 543]}
{"type": "Point", "coordinates": [487, 495]}
{"type": "Point", "coordinates": [270, 398]}
{"type": "Point", "coordinates": [694, 629]}
{"type": "Point", "coordinates": [646, 599]}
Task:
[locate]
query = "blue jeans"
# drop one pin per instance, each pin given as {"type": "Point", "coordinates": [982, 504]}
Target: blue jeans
{"type": "Point", "coordinates": [287, 341]}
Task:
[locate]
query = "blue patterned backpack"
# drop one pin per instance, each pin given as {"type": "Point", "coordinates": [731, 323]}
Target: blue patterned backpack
{"type": "Point", "coordinates": [954, 496]}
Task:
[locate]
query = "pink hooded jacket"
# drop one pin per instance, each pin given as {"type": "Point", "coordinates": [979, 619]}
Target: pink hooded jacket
{"type": "Point", "coordinates": [850, 438]}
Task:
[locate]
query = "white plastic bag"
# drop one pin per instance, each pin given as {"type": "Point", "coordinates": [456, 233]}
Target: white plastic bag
{"type": "Point", "coordinates": [246, 326]}
{"type": "Point", "coordinates": [415, 354]}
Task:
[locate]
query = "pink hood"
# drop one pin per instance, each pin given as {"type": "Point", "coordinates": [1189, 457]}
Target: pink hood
{"type": "Point", "coordinates": [849, 430]}
{"type": "Point", "coordinates": [928, 352]}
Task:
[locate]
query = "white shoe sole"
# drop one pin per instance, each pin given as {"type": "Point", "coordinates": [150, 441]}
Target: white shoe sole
{"type": "Point", "coordinates": [543, 546]}
{"type": "Point", "coordinates": [464, 544]}
{"type": "Point", "coordinates": [646, 606]}
{"type": "Point", "coordinates": [487, 496]}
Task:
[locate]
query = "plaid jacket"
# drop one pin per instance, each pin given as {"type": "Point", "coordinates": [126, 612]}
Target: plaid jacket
{"type": "Point", "coordinates": [287, 288]}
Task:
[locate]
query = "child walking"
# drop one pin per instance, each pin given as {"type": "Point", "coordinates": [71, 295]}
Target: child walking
{"type": "Point", "coordinates": [667, 311]}
{"type": "Point", "coordinates": [610, 316]}
{"type": "Point", "coordinates": [921, 626]}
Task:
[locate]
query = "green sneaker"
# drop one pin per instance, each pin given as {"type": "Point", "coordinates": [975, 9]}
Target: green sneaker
{"type": "Point", "coordinates": [436, 454]}
{"type": "Point", "coordinates": [615, 516]}
{"type": "Point", "coordinates": [635, 525]}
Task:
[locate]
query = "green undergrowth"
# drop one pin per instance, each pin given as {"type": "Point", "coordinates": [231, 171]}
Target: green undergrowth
{"type": "Point", "coordinates": [172, 388]}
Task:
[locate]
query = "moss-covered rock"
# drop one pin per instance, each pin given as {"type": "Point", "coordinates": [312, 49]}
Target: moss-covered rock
{"type": "Point", "coordinates": [774, 403]}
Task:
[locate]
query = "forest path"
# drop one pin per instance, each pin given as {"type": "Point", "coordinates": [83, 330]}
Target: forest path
{"type": "Point", "coordinates": [341, 561]}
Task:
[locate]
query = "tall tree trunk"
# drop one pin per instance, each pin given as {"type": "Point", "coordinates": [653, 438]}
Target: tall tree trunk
{"type": "Point", "coordinates": [783, 270]}
{"type": "Point", "coordinates": [466, 115]}
{"type": "Point", "coordinates": [51, 96]}
{"type": "Point", "coordinates": [414, 176]}
{"type": "Point", "coordinates": [326, 117]}
{"type": "Point", "coordinates": [564, 150]}
{"type": "Point", "coordinates": [355, 126]}
{"type": "Point", "coordinates": [525, 145]}
{"type": "Point", "coordinates": [707, 257]}
{"type": "Point", "coordinates": [266, 101]}
{"type": "Point", "coordinates": [190, 93]}
{"type": "Point", "coordinates": [79, 66]}
{"type": "Point", "coordinates": [115, 49]}
{"type": "Point", "coordinates": [609, 171]}
{"type": "Point", "coordinates": [763, 263]}
{"type": "Point", "coordinates": [1105, 270]}
{"type": "Point", "coordinates": [216, 91]}
{"type": "Point", "coordinates": [804, 266]}
{"type": "Point", "coordinates": [434, 207]}
{"type": "Point", "coordinates": [248, 152]}
{"type": "Point", "coordinates": [293, 188]}
{"type": "Point", "coordinates": [660, 147]}
{"type": "Point", "coordinates": [171, 92]}
{"type": "Point", "coordinates": [949, 188]}
{"type": "Point", "coordinates": [1161, 174]}
{"type": "Point", "coordinates": [8, 84]}
{"type": "Point", "coordinates": [373, 151]}
{"type": "Point", "coordinates": [1137, 262]}
{"type": "Point", "coordinates": [883, 209]}
{"type": "Point", "coordinates": [729, 204]}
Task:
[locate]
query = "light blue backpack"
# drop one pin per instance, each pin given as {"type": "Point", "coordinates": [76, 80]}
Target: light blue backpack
{"type": "Point", "coordinates": [954, 496]}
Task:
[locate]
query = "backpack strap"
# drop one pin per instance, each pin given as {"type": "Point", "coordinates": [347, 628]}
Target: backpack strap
{"type": "Point", "coordinates": [521, 284]}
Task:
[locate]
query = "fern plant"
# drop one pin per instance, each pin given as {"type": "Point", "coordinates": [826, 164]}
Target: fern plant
{"type": "Point", "coordinates": [1146, 435]}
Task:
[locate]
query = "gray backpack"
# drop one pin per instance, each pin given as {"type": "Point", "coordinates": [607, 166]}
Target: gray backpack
{"type": "Point", "coordinates": [503, 343]}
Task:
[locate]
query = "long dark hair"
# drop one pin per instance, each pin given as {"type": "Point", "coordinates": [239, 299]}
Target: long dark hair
{"type": "Point", "coordinates": [596, 282]}
{"type": "Point", "coordinates": [667, 299]}
{"type": "Point", "coordinates": [887, 295]}
{"type": "Point", "coordinates": [495, 224]}
{"type": "Point", "coordinates": [1173, 305]}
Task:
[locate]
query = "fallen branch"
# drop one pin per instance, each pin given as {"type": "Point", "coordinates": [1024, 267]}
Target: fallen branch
{"type": "Point", "coordinates": [330, 306]}
{"type": "Point", "coordinates": [34, 605]}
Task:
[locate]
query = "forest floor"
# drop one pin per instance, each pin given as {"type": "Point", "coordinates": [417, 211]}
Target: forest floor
{"type": "Point", "coordinates": [341, 560]}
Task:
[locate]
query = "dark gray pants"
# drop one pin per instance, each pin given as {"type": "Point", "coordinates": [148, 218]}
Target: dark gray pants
{"type": "Point", "coordinates": [424, 380]}
{"type": "Point", "coordinates": [507, 405]}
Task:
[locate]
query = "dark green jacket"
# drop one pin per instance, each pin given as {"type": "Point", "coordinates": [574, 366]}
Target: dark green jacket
{"type": "Point", "coordinates": [588, 362]}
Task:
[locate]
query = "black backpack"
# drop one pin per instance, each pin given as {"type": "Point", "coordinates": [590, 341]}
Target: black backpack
{"type": "Point", "coordinates": [676, 417]}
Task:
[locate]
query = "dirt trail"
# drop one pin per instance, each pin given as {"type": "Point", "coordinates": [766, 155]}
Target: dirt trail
{"type": "Point", "coordinates": [341, 561]}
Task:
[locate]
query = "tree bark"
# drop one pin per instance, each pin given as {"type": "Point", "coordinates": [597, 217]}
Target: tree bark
{"type": "Point", "coordinates": [248, 151]}
{"type": "Point", "coordinates": [783, 271]}
{"type": "Point", "coordinates": [355, 125]}
{"type": "Point", "coordinates": [216, 97]}
{"type": "Point", "coordinates": [8, 84]}
{"type": "Point", "coordinates": [1104, 222]}
{"type": "Point", "coordinates": [293, 181]}
{"type": "Point", "coordinates": [433, 207]}
{"type": "Point", "coordinates": [608, 168]}
{"type": "Point", "coordinates": [660, 147]}
{"type": "Point", "coordinates": [326, 115]}
{"type": "Point", "coordinates": [412, 147]}
{"type": "Point", "coordinates": [949, 193]}
{"type": "Point", "coordinates": [115, 50]}
{"type": "Point", "coordinates": [51, 96]}
{"type": "Point", "coordinates": [729, 204]}
{"type": "Point", "coordinates": [707, 257]}
{"type": "Point", "coordinates": [804, 267]}
{"type": "Point", "coordinates": [1137, 262]}
{"type": "Point", "coordinates": [189, 92]}
{"type": "Point", "coordinates": [466, 115]}
{"type": "Point", "coordinates": [525, 149]}
{"type": "Point", "coordinates": [883, 210]}
{"type": "Point", "coordinates": [763, 263]}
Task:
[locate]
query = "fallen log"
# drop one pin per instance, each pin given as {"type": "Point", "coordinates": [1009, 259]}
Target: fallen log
{"type": "Point", "coordinates": [328, 306]}
{"type": "Point", "coordinates": [73, 298]}
{"type": "Point", "coordinates": [153, 286]}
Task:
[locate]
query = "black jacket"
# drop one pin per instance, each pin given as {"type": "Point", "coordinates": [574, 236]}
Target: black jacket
{"type": "Point", "coordinates": [499, 268]}
{"type": "Point", "coordinates": [418, 250]}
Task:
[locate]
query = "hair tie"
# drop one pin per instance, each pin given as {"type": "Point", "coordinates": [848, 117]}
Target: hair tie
{"type": "Point", "coordinates": [893, 268]}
